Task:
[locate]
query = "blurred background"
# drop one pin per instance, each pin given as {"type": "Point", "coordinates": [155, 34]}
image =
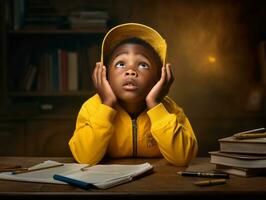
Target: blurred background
{"type": "Point", "coordinates": [48, 49]}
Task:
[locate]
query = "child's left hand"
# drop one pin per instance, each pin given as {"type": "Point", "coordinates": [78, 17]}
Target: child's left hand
{"type": "Point", "coordinates": [161, 88]}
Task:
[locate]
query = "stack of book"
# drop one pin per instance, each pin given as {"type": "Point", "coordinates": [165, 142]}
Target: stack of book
{"type": "Point", "coordinates": [242, 154]}
{"type": "Point", "coordinates": [40, 15]}
{"type": "Point", "coordinates": [89, 20]}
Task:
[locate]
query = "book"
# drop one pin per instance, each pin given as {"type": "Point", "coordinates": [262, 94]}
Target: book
{"type": "Point", "coordinates": [90, 14]}
{"type": "Point", "coordinates": [42, 176]}
{"type": "Point", "coordinates": [240, 171]}
{"type": "Point", "coordinates": [18, 14]}
{"type": "Point", "coordinates": [63, 69]}
{"type": "Point", "coordinates": [238, 160]}
{"type": "Point", "coordinates": [248, 146]}
{"type": "Point", "coordinates": [72, 71]}
{"type": "Point", "coordinates": [104, 176]}
{"type": "Point", "coordinates": [31, 77]}
{"type": "Point", "coordinates": [80, 175]}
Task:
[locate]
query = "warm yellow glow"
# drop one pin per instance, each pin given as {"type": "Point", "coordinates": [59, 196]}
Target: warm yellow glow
{"type": "Point", "coordinates": [211, 59]}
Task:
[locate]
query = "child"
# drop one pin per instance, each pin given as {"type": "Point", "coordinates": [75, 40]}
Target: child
{"type": "Point", "coordinates": [131, 116]}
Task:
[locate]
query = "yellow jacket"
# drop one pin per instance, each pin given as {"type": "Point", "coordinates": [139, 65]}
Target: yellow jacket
{"type": "Point", "coordinates": [161, 131]}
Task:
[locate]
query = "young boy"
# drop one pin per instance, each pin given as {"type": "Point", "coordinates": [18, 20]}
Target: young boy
{"type": "Point", "coordinates": [131, 116]}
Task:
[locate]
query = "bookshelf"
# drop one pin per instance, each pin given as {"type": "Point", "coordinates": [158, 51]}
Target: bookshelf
{"type": "Point", "coordinates": [51, 49]}
{"type": "Point", "coordinates": [45, 74]}
{"type": "Point", "coordinates": [62, 61]}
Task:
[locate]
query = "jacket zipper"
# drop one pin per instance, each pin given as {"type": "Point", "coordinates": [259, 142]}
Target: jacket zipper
{"type": "Point", "coordinates": [135, 136]}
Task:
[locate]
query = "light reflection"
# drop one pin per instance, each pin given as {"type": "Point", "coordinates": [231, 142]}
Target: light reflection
{"type": "Point", "coordinates": [211, 59]}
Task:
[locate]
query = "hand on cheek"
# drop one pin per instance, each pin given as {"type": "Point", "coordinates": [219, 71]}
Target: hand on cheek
{"type": "Point", "coordinates": [102, 85]}
{"type": "Point", "coordinates": [161, 88]}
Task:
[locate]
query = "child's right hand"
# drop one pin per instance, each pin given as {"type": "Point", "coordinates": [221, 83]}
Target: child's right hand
{"type": "Point", "coordinates": [102, 85]}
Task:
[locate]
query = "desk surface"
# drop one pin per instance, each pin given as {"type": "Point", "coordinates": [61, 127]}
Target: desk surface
{"type": "Point", "coordinates": [163, 182]}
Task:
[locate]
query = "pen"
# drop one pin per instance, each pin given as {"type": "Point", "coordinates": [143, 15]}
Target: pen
{"type": "Point", "coordinates": [210, 182]}
{"type": "Point", "coordinates": [13, 169]}
{"type": "Point", "coordinates": [36, 169]}
{"type": "Point", "coordinates": [250, 135]}
{"type": "Point", "coordinates": [85, 168]}
{"type": "Point", "coordinates": [203, 174]}
{"type": "Point", "coordinates": [257, 130]}
{"type": "Point", "coordinates": [255, 133]}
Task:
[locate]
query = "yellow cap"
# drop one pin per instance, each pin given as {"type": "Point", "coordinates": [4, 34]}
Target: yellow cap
{"type": "Point", "coordinates": [134, 30]}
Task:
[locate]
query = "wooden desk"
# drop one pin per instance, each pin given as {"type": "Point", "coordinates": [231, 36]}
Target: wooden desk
{"type": "Point", "coordinates": [163, 183]}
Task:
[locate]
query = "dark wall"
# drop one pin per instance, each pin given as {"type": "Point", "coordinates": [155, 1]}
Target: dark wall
{"type": "Point", "coordinates": [213, 48]}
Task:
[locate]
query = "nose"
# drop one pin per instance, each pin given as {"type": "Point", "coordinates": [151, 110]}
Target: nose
{"type": "Point", "coordinates": [131, 72]}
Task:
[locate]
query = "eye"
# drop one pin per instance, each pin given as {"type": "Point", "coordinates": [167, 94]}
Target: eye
{"type": "Point", "coordinates": [120, 65]}
{"type": "Point", "coordinates": [143, 65]}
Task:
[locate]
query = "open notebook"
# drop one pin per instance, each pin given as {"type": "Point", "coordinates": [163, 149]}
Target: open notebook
{"type": "Point", "coordinates": [99, 176]}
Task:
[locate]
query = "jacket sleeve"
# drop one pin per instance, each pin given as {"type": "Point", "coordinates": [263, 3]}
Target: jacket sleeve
{"type": "Point", "coordinates": [173, 134]}
{"type": "Point", "coordinates": [92, 134]}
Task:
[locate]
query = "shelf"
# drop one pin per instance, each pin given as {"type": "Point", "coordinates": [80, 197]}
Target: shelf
{"type": "Point", "coordinates": [38, 116]}
{"type": "Point", "coordinates": [50, 94]}
{"type": "Point", "coordinates": [58, 31]}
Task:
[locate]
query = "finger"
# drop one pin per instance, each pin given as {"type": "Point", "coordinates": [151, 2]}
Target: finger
{"type": "Point", "coordinates": [99, 74]}
{"type": "Point", "coordinates": [94, 75]}
{"type": "Point", "coordinates": [172, 74]}
{"type": "Point", "coordinates": [103, 73]}
{"type": "Point", "coordinates": [163, 75]}
{"type": "Point", "coordinates": [169, 75]}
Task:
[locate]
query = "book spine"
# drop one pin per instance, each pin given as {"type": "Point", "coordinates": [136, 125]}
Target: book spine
{"type": "Point", "coordinates": [72, 71]}
{"type": "Point", "coordinates": [19, 12]}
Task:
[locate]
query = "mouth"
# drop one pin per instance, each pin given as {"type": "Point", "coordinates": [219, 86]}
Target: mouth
{"type": "Point", "coordinates": [129, 85]}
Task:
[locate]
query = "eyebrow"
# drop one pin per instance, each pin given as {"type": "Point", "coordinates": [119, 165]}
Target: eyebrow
{"type": "Point", "coordinates": [120, 53]}
{"type": "Point", "coordinates": [126, 52]}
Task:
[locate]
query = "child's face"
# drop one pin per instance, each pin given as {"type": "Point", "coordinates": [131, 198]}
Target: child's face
{"type": "Point", "coordinates": [132, 72]}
